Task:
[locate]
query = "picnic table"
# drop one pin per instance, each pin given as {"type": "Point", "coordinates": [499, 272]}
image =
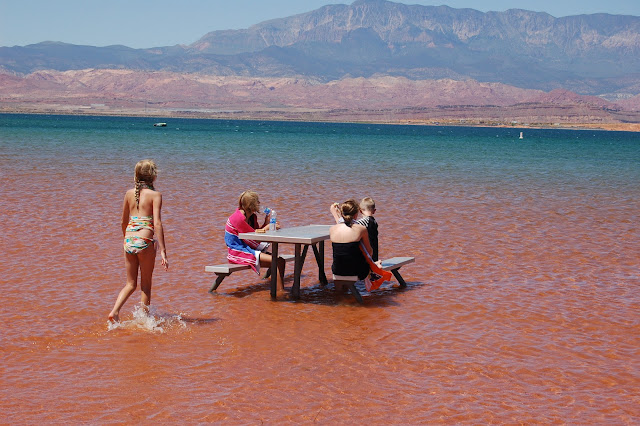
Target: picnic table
{"type": "Point", "coordinates": [309, 235]}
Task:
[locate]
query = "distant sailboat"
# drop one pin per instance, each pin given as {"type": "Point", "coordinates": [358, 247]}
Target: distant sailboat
{"type": "Point", "coordinates": [521, 137]}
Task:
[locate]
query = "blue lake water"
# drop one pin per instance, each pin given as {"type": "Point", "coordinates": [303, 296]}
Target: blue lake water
{"type": "Point", "coordinates": [522, 305]}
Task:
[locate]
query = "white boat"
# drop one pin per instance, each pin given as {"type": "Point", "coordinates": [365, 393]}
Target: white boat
{"type": "Point", "coordinates": [160, 125]}
{"type": "Point", "coordinates": [521, 137]}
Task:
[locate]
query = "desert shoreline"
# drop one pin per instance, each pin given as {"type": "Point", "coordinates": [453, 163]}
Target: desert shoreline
{"type": "Point", "coordinates": [320, 116]}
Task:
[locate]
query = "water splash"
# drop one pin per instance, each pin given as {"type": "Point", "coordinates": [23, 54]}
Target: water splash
{"type": "Point", "coordinates": [149, 320]}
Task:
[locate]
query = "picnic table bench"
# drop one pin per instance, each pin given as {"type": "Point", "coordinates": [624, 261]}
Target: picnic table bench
{"type": "Point", "coordinates": [394, 264]}
{"type": "Point", "coordinates": [225, 269]}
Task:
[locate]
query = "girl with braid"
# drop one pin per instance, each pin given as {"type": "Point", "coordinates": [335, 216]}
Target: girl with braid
{"type": "Point", "coordinates": [140, 222]}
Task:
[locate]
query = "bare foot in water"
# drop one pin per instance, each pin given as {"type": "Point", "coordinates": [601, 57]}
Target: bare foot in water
{"type": "Point", "coordinates": [114, 317]}
{"type": "Point", "coordinates": [282, 294]}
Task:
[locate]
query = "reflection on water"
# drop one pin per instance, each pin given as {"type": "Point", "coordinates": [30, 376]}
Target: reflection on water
{"type": "Point", "coordinates": [522, 306]}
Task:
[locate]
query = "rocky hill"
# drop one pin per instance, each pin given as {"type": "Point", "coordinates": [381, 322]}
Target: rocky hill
{"type": "Point", "coordinates": [380, 99]}
{"type": "Point", "coordinates": [373, 60]}
{"type": "Point", "coordinates": [588, 54]}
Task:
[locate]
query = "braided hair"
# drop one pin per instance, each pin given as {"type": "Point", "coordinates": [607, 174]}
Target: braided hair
{"type": "Point", "coordinates": [140, 185]}
{"type": "Point", "coordinates": [145, 174]}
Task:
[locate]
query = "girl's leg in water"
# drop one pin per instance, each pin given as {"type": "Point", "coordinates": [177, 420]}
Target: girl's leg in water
{"type": "Point", "coordinates": [131, 264]}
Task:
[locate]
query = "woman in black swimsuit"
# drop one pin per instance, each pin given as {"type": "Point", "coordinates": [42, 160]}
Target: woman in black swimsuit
{"type": "Point", "coordinates": [346, 238]}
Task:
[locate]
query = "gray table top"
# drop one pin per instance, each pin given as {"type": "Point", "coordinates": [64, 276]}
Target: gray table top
{"type": "Point", "coordinates": [309, 234]}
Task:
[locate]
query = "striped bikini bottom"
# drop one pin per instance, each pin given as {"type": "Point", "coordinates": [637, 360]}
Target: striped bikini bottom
{"type": "Point", "coordinates": [134, 244]}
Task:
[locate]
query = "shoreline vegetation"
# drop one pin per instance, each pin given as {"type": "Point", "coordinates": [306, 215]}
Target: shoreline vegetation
{"type": "Point", "coordinates": [391, 117]}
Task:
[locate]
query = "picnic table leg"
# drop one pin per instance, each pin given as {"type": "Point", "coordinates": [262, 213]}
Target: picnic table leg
{"type": "Point", "coordinates": [274, 270]}
{"type": "Point", "coordinates": [297, 271]}
{"type": "Point", "coordinates": [219, 279]}
{"type": "Point", "coordinates": [319, 253]}
{"type": "Point", "coordinates": [356, 293]}
{"type": "Point", "coordinates": [396, 273]}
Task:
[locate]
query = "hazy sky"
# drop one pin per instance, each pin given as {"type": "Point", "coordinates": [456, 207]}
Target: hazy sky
{"type": "Point", "coordinates": [152, 23]}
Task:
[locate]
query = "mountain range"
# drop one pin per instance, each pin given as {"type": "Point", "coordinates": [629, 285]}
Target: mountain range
{"type": "Point", "coordinates": [524, 53]}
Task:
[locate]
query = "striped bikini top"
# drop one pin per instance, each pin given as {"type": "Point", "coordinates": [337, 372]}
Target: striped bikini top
{"type": "Point", "coordinates": [137, 223]}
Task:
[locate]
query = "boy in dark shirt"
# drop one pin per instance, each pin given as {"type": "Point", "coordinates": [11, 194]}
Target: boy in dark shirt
{"type": "Point", "coordinates": [368, 209]}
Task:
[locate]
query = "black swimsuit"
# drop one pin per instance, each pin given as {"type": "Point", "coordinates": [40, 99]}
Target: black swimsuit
{"type": "Point", "coordinates": [348, 260]}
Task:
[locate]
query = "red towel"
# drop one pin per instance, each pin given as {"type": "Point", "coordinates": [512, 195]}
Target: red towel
{"type": "Point", "coordinates": [384, 275]}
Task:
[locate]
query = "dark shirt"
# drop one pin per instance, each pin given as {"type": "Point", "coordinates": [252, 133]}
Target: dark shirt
{"type": "Point", "coordinates": [370, 223]}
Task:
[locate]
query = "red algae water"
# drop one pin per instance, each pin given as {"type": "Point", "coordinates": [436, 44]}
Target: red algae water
{"type": "Point", "coordinates": [522, 306]}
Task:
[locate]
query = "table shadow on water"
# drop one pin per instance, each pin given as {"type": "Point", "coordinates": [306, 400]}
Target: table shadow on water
{"type": "Point", "coordinates": [386, 295]}
{"type": "Point", "coordinates": [324, 295]}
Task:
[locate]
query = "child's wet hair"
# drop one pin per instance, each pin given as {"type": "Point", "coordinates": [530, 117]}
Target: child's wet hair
{"type": "Point", "coordinates": [146, 172]}
{"type": "Point", "coordinates": [249, 202]}
{"type": "Point", "coordinates": [367, 204]}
